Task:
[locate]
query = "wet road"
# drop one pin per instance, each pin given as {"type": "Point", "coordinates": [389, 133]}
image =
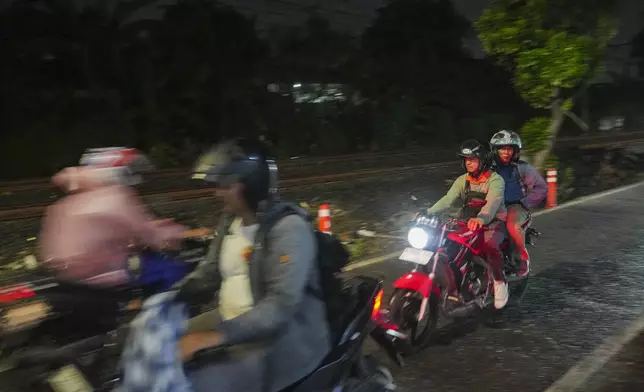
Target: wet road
{"type": "Point", "coordinates": [624, 373]}
{"type": "Point", "coordinates": [586, 285]}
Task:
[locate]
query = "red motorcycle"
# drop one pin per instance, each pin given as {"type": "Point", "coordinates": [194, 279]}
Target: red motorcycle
{"type": "Point", "coordinates": [446, 254]}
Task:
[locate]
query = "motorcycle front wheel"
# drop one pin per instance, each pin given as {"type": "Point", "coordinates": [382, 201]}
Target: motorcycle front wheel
{"type": "Point", "coordinates": [404, 307]}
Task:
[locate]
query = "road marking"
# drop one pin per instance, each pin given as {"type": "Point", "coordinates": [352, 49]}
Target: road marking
{"type": "Point", "coordinates": [588, 198]}
{"type": "Point", "coordinates": [580, 373]}
{"type": "Point", "coordinates": [374, 260]}
{"type": "Point", "coordinates": [577, 376]}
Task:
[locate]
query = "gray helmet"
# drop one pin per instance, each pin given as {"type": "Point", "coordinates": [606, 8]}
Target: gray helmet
{"type": "Point", "coordinates": [240, 160]}
{"type": "Point", "coordinates": [507, 138]}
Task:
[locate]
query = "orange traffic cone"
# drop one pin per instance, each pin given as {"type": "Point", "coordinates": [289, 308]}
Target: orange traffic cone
{"type": "Point", "coordinates": [324, 219]}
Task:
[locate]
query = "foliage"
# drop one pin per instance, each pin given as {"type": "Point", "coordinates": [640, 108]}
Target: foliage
{"type": "Point", "coordinates": [418, 78]}
{"type": "Point", "coordinates": [172, 77]}
{"type": "Point", "coordinates": [533, 134]}
{"type": "Point", "coordinates": [163, 156]}
{"type": "Point", "coordinates": [637, 50]}
{"type": "Point", "coordinates": [549, 45]}
{"type": "Point", "coordinates": [552, 47]}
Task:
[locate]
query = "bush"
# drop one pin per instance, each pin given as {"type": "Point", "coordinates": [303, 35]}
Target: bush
{"type": "Point", "coordinates": [534, 134]}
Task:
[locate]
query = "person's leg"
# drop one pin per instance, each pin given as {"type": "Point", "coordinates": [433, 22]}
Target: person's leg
{"type": "Point", "coordinates": [517, 217]}
{"type": "Point", "coordinates": [494, 236]}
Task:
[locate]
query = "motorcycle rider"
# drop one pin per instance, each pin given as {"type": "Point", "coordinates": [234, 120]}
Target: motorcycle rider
{"type": "Point", "coordinates": [264, 309]}
{"type": "Point", "coordinates": [480, 181]}
{"type": "Point", "coordinates": [86, 236]}
{"type": "Point", "coordinates": [525, 188]}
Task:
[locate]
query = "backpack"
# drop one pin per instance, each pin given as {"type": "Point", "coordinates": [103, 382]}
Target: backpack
{"type": "Point", "coordinates": [331, 257]}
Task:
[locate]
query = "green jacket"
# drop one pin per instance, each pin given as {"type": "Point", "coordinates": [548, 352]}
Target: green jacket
{"type": "Point", "coordinates": [494, 188]}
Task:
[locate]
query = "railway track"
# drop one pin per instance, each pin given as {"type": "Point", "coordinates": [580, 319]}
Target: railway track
{"type": "Point", "coordinates": [285, 165]}
{"type": "Point", "coordinates": [610, 139]}
{"type": "Point", "coordinates": [37, 210]}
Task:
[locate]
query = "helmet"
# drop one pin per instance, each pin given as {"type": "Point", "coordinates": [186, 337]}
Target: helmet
{"type": "Point", "coordinates": [474, 149]}
{"type": "Point", "coordinates": [240, 160]}
{"type": "Point", "coordinates": [119, 165]}
{"type": "Point", "coordinates": [507, 138]}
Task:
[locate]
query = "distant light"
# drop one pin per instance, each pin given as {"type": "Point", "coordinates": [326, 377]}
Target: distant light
{"type": "Point", "coordinates": [297, 85]}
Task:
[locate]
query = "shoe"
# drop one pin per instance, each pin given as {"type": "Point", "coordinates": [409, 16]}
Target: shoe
{"type": "Point", "coordinates": [500, 294]}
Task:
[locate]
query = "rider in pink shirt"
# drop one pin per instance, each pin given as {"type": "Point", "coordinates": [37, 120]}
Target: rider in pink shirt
{"type": "Point", "coordinates": [89, 235]}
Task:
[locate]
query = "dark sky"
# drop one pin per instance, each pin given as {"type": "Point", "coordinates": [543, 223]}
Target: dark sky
{"type": "Point", "coordinates": [354, 15]}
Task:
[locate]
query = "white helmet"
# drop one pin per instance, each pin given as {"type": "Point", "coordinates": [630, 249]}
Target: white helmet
{"type": "Point", "coordinates": [118, 165]}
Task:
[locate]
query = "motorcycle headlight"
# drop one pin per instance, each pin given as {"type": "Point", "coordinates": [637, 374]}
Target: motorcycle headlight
{"type": "Point", "coordinates": [418, 237]}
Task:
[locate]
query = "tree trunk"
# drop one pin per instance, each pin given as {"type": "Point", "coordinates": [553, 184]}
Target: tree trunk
{"type": "Point", "coordinates": [557, 116]}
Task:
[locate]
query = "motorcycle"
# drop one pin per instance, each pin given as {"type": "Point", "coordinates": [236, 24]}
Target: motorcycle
{"type": "Point", "coordinates": [344, 367]}
{"type": "Point", "coordinates": [45, 322]}
{"type": "Point", "coordinates": [446, 254]}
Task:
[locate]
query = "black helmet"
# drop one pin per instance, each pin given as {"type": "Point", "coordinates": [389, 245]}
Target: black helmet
{"type": "Point", "coordinates": [474, 149]}
{"type": "Point", "coordinates": [240, 160]}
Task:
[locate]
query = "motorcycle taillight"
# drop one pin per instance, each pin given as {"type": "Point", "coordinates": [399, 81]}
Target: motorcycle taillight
{"type": "Point", "coordinates": [15, 294]}
{"type": "Point", "coordinates": [377, 303]}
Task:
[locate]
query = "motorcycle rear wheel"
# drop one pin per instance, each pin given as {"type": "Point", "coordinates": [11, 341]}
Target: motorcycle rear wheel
{"type": "Point", "coordinates": [404, 307]}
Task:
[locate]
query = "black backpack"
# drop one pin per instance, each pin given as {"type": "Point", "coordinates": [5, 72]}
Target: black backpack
{"type": "Point", "coordinates": [331, 258]}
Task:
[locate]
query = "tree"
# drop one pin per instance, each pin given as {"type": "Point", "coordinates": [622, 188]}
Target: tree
{"type": "Point", "coordinates": [553, 48]}
{"type": "Point", "coordinates": [408, 70]}
{"type": "Point", "coordinates": [78, 74]}
{"type": "Point", "coordinates": [60, 76]}
{"type": "Point", "coordinates": [637, 50]}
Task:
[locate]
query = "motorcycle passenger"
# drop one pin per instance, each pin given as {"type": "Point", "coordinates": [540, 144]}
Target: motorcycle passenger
{"type": "Point", "coordinates": [86, 236]}
{"type": "Point", "coordinates": [481, 182]}
{"type": "Point", "coordinates": [525, 188]}
{"type": "Point", "coordinates": [265, 314]}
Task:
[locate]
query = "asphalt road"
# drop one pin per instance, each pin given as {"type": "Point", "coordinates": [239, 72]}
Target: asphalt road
{"type": "Point", "coordinates": [585, 286]}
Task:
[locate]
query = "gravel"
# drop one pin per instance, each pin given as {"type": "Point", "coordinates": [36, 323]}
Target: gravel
{"type": "Point", "coordinates": [381, 204]}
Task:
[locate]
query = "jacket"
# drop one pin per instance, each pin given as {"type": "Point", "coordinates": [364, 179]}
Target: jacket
{"type": "Point", "coordinates": [87, 235]}
{"type": "Point", "coordinates": [494, 189]}
{"type": "Point", "coordinates": [533, 186]}
{"type": "Point", "coordinates": [287, 320]}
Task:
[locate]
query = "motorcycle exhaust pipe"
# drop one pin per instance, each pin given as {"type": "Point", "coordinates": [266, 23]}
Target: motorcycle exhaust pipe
{"type": "Point", "coordinates": [464, 311]}
{"type": "Point", "coordinates": [393, 346]}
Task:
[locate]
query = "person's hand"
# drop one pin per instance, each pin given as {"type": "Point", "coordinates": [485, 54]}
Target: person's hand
{"type": "Point", "coordinates": [190, 344]}
{"type": "Point", "coordinates": [474, 224]}
{"type": "Point", "coordinates": [201, 232]}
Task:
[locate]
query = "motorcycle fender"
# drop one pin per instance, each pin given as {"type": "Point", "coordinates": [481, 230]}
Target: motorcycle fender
{"type": "Point", "coordinates": [419, 282]}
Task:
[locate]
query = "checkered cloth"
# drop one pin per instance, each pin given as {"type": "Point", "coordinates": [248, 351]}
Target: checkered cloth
{"type": "Point", "coordinates": [150, 361]}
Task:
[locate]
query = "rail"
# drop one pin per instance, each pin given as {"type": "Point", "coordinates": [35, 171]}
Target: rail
{"type": "Point", "coordinates": [37, 210]}
{"type": "Point", "coordinates": [608, 139]}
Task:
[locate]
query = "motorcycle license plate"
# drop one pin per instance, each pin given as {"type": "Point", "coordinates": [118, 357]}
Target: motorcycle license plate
{"type": "Point", "coordinates": [417, 256]}
{"type": "Point", "coordinates": [69, 379]}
